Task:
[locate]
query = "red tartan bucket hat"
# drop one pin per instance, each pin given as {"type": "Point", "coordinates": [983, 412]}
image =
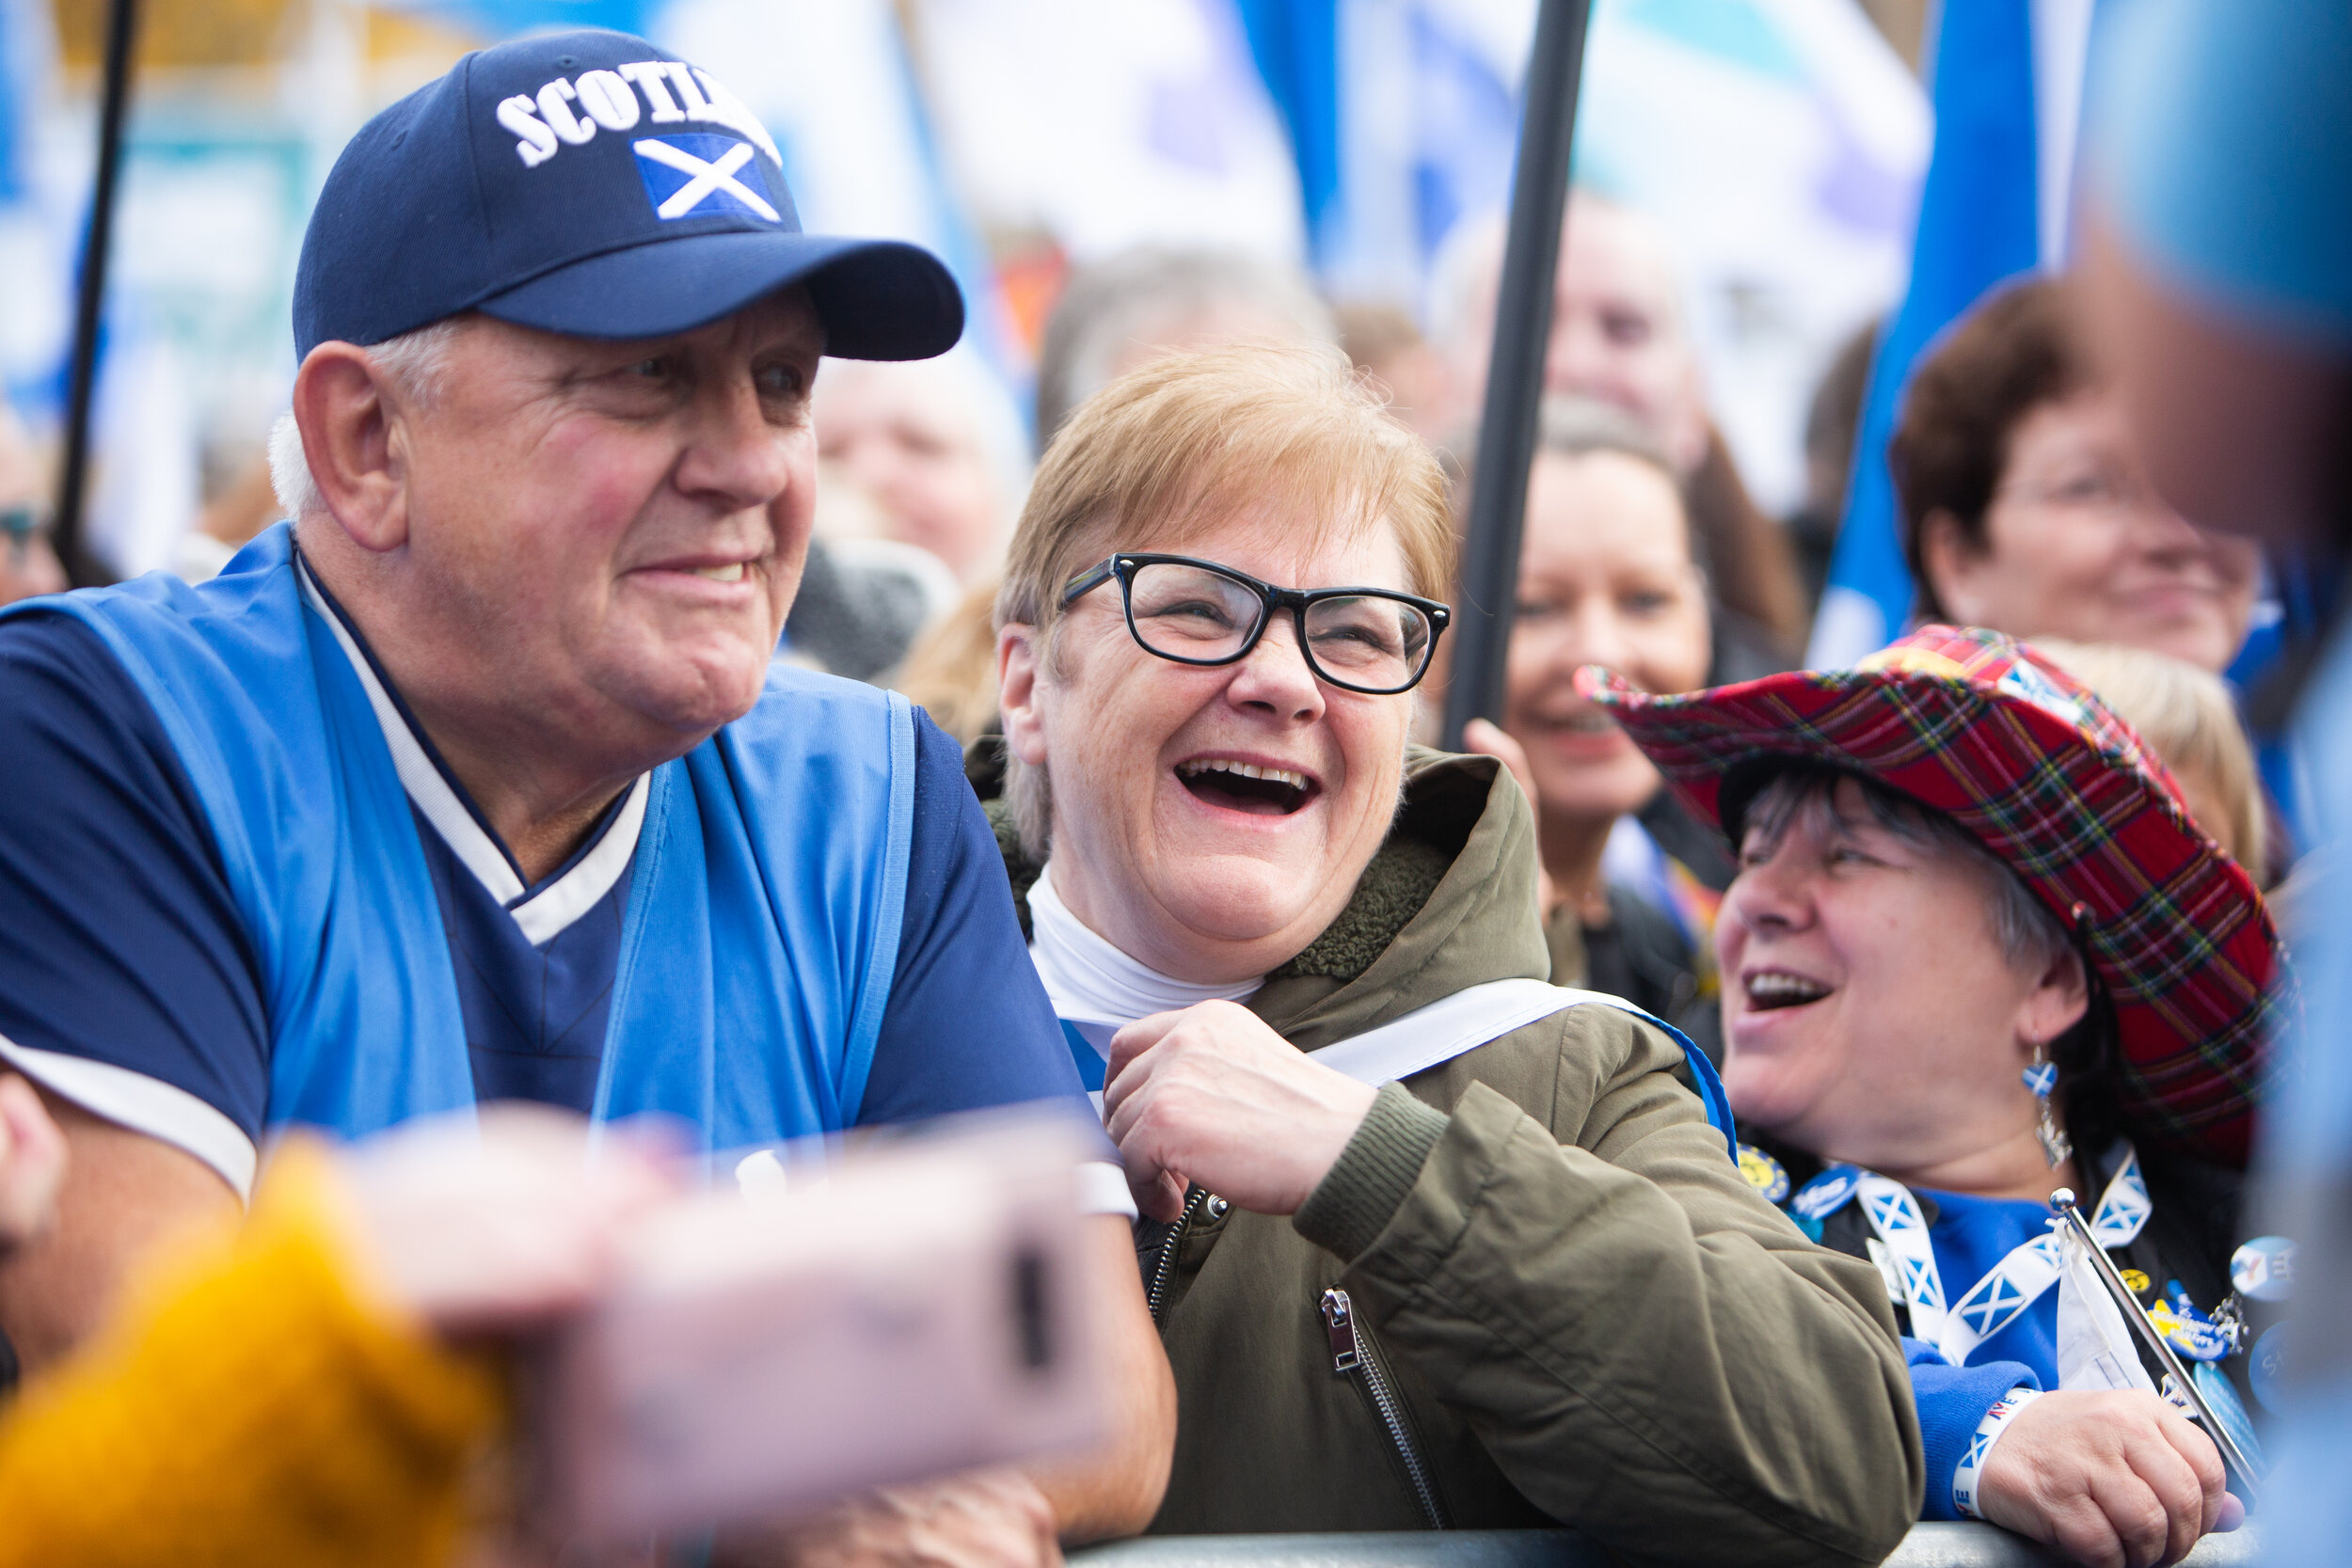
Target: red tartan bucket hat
{"type": "Point", "coordinates": [2062, 792]}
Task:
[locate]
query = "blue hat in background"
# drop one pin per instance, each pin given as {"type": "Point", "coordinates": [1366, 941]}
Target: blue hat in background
{"type": "Point", "coordinates": [589, 183]}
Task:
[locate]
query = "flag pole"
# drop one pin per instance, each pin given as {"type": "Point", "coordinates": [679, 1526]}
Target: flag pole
{"type": "Point", "coordinates": [2071, 1214]}
{"type": "Point", "coordinates": [74, 473]}
{"type": "Point", "coordinates": [1515, 368]}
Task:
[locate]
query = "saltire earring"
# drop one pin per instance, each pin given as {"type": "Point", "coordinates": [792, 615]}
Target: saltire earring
{"type": "Point", "coordinates": [2042, 1078]}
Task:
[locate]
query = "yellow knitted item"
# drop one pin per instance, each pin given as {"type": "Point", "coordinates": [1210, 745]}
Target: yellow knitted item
{"type": "Point", "coordinates": [247, 1407]}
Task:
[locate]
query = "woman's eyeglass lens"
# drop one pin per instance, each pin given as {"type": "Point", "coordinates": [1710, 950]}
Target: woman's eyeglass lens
{"type": "Point", "coordinates": [1196, 614]}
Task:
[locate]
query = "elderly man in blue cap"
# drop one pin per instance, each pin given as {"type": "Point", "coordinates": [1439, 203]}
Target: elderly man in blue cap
{"type": "Point", "coordinates": [475, 781]}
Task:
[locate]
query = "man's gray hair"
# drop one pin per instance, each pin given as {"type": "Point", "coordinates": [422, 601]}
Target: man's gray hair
{"type": "Point", "coordinates": [1132, 297]}
{"type": "Point", "coordinates": [416, 361]}
{"type": "Point", "coordinates": [2030, 934]}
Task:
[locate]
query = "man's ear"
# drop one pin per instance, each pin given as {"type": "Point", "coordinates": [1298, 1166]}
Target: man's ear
{"type": "Point", "coordinates": [1951, 565]}
{"type": "Point", "coordinates": [2057, 1001]}
{"type": "Point", "coordinates": [1017, 650]}
{"type": "Point", "coordinates": [354, 442]}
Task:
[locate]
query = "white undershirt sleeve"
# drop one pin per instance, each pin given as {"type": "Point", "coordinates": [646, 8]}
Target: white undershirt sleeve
{"type": "Point", "coordinates": [162, 1111]}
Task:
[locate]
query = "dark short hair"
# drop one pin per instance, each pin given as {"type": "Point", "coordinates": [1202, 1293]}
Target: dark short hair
{"type": "Point", "coordinates": [2030, 934]}
{"type": "Point", "coordinates": [2014, 351]}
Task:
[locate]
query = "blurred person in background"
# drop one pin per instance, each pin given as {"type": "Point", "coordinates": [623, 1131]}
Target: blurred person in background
{"type": "Point", "coordinates": [568, 832]}
{"type": "Point", "coordinates": [951, 673]}
{"type": "Point", "coordinates": [243, 507]}
{"type": "Point", "coordinates": [2026, 506]}
{"type": "Point", "coordinates": [1939, 1008]}
{"type": "Point", "coordinates": [28, 562]}
{"type": "Point", "coordinates": [1608, 576]}
{"type": "Point", "coordinates": [318, 1387]}
{"type": "Point", "coordinates": [919, 462]}
{"type": "Point", "coordinates": [937, 448]}
{"type": "Point", "coordinates": [1382, 342]}
{"type": "Point", "coordinates": [2219, 255]}
{"type": "Point", "coordinates": [2188, 720]}
{"type": "Point", "coordinates": [1513, 1282]}
{"type": "Point", "coordinates": [1618, 335]}
{"type": "Point", "coordinates": [1120, 313]}
{"type": "Point", "coordinates": [863, 598]}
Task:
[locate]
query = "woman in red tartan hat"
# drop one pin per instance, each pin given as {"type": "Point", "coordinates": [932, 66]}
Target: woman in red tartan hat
{"type": "Point", "coordinates": [1977, 950]}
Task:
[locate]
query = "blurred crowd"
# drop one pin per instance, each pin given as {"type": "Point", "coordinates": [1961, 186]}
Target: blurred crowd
{"type": "Point", "coordinates": [1997, 911]}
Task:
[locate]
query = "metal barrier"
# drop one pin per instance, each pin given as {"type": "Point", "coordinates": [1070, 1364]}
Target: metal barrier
{"type": "Point", "coordinates": [1926, 1546]}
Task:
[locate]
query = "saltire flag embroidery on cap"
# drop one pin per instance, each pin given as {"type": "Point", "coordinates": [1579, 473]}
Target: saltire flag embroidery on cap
{"type": "Point", "coordinates": [695, 173]}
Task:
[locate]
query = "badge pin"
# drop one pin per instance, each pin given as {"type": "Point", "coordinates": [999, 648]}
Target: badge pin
{"type": "Point", "coordinates": [1767, 1175]}
{"type": "Point", "coordinates": [2189, 1332]}
{"type": "Point", "coordinates": [2136, 1282]}
{"type": "Point", "coordinates": [2264, 1366]}
{"type": "Point", "coordinates": [1826, 1193]}
{"type": "Point", "coordinates": [2221, 1398]}
{"type": "Point", "coordinates": [2264, 1269]}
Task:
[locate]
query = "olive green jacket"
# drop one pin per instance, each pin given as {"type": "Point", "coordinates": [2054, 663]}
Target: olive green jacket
{"type": "Point", "coordinates": [1586, 1315]}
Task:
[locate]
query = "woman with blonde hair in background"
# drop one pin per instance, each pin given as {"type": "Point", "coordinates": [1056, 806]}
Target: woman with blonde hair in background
{"type": "Point", "coordinates": [2185, 714]}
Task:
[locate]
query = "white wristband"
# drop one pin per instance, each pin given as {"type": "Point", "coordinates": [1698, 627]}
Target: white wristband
{"type": "Point", "coordinates": [1971, 1465]}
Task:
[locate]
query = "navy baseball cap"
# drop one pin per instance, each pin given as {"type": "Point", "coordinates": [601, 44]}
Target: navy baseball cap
{"type": "Point", "coordinates": [588, 183]}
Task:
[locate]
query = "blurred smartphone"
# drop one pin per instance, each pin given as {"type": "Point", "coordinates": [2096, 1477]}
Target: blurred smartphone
{"type": "Point", "coordinates": [881, 1316]}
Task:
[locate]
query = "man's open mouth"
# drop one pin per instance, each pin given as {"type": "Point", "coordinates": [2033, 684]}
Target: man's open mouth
{"type": "Point", "coordinates": [1246, 786]}
{"type": "Point", "coordinates": [1774, 989]}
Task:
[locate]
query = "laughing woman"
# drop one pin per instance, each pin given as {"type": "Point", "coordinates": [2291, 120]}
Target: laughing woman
{"type": "Point", "coordinates": [1524, 1285]}
{"type": "Point", "coordinates": [1979, 950]}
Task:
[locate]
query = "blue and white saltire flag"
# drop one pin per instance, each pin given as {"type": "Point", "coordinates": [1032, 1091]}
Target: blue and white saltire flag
{"type": "Point", "coordinates": [1403, 118]}
{"type": "Point", "coordinates": [1109, 126]}
{"type": "Point", "coordinates": [2008, 85]}
{"type": "Point", "coordinates": [1778, 145]}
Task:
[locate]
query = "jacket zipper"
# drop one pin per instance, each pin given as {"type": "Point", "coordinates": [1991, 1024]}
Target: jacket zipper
{"type": "Point", "coordinates": [1353, 1351]}
{"type": "Point", "coordinates": [1164, 1266]}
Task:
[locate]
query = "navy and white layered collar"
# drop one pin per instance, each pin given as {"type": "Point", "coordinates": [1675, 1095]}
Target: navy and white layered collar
{"type": "Point", "coordinates": [542, 912]}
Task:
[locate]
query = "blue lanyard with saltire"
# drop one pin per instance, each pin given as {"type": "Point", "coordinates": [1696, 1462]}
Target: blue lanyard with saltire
{"type": "Point", "coordinates": [2008, 1289]}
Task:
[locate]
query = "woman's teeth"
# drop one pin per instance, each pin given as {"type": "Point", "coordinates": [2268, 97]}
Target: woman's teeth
{"type": "Point", "coordinates": [731, 572]}
{"type": "Point", "coordinates": [1586, 722]}
{"type": "Point", "coordinates": [1776, 989]}
{"type": "Point", "coordinates": [1246, 786]}
{"type": "Point", "coordinates": [1247, 770]}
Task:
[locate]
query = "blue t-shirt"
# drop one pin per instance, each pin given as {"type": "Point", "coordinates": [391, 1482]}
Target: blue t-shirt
{"type": "Point", "coordinates": [127, 983]}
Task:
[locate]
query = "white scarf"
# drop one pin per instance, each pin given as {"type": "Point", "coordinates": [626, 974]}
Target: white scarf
{"type": "Point", "coordinates": [1092, 983]}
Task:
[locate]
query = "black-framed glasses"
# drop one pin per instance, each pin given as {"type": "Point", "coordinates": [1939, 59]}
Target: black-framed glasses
{"type": "Point", "coordinates": [1194, 611]}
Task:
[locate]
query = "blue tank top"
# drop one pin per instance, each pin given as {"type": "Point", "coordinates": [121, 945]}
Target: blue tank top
{"type": "Point", "coordinates": [763, 924]}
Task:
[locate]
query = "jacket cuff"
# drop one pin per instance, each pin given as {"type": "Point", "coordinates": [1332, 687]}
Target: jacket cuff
{"type": "Point", "coordinates": [1368, 1183]}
